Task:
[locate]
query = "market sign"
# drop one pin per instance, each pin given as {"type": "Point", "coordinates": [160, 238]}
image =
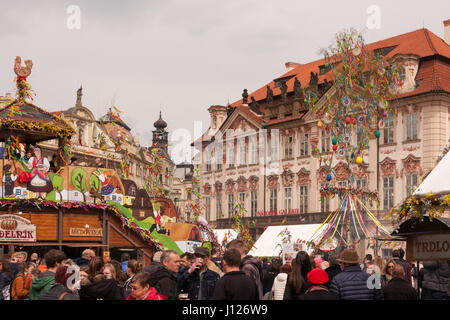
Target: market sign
{"type": "Point", "coordinates": [430, 247]}
{"type": "Point", "coordinates": [86, 232]}
{"type": "Point", "coordinates": [16, 229]}
{"type": "Point", "coordinates": [281, 212]}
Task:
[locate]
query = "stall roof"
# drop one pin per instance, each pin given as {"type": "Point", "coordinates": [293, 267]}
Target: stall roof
{"type": "Point", "coordinates": [414, 226]}
{"type": "Point", "coordinates": [438, 181]}
{"type": "Point", "coordinates": [268, 243]}
{"type": "Point", "coordinates": [220, 234]}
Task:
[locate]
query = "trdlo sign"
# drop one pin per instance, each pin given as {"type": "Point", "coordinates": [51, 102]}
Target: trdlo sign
{"type": "Point", "coordinates": [430, 247]}
{"type": "Point", "coordinates": [16, 229]}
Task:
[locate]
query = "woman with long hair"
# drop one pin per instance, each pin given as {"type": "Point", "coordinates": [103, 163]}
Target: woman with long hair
{"type": "Point", "coordinates": [6, 278]}
{"type": "Point", "coordinates": [296, 282]}
{"type": "Point", "coordinates": [18, 289]}
{"type": "Point", "coordinates": [387, 274]}
{"type": "Point", "coordinates": [96, 266]}
{"type": "Point", "coordinates": [133, 267]}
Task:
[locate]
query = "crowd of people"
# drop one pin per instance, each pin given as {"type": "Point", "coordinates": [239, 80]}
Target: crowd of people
{"type": "Point", "coordinates": [203, 275]}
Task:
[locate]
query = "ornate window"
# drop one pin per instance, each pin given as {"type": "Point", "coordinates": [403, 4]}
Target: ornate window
{"type": "Point", "coordinates": [288, 198]}
{"type": "Point", "coordinates": [230, 204]}
{"type": "Point", "coordinates": [326, 142]}
{"type": "Point", "coordinates": [411, 184]}
{"type": "Point", "coordinates": [253, 150]}
{"type": "Point", "coordinates": [388, 192]}
{"type": "Point", "coordinates": [303, 199]}
{"type": "Point", "coordinates": [304, 142]}
{"type": "Point", "coordinates": [273, 199]}
{"type": "Point", "coordinates": [411, 126]}
{"type": "Point", "coordinates": [230, 154]}
{"type": "Point", "coordinates": [324, 202]}
{"type": "Point", "coordinates": [242, 198]}
{"type": "Point", "coordinates": [288, 147]}
{"type": "Point", "coordinates": [274, 148]}
{"type": "Point", "coordinates": [242, 152]}
{"type": "Point", "coordinates": [388, 131]}
{"type": "Point", "coordinates": [218, 206]}
{"type": "Point", "coordinates": [254, 202]}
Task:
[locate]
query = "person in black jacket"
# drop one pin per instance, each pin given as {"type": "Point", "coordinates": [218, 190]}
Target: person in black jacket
{"type": "Point", "coordinates": [352, 283]}
{"type": "Point", "coordinates": [235, 284]}
{"type": "Point", "coordinates": [269, 277]}
{"type": "Point", "coordinates": [198, 280]}
{"type": "Point", "coordinates": [101, 289]}
{"type": "Point", "coordinates": [59, 290]}
{"type": "Point", "coordinates": [164, 280]}
{"type": "Point", "coordinates": [318, 290]}
{"type": "Point", "coordinates": [249, 264]}
{"type": "Point", "coordinates": [6, 278]}
{"type": "Point", "coordinates": [398, 288]}
{"type": "Point", "coordinates": [333, 269]}
{"type": "Point", "coordinates": [296, 282]}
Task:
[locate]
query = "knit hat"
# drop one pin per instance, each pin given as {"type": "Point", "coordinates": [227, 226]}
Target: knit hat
{"type": "Point", "coordinates": [317, 276]}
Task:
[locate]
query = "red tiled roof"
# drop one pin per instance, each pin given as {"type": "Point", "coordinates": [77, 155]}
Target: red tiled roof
{"type": "Point", "coordinates": [422, 43]}
{"type": "Point", "coordinates": [433, 75]}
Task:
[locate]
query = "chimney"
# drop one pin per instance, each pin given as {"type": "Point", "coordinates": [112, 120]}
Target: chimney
{"type": "Point", "coordinates": [291, 65]}
{"type": "Point", "coordinates": [447, 31]}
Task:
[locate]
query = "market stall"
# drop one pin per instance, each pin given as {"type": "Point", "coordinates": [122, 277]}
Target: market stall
{"type": "Point", "coordinates": [271, 241]}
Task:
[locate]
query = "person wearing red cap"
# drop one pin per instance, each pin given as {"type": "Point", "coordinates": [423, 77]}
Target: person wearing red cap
{"type": "Point", "coordinates": [318, 290]}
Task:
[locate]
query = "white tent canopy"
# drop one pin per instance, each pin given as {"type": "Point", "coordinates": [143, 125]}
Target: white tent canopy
{"type": "Point", "coordinates": [438, 181]}
{"type": "Point", "coordinates": [220, 234]}
{"type": "Point", "coordinates": [268, 243]}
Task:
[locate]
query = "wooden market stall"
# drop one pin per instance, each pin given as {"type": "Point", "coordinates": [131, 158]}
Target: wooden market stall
{"type": "Point", "coordinates": [47, 205]}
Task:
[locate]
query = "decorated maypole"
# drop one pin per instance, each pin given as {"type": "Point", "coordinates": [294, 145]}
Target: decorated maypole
{"type": "Point", "coordinates": [355, 103]}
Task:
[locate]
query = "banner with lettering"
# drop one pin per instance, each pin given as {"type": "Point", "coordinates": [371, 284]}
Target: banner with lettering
{"type": "Point", "coordinates": [16, 229]}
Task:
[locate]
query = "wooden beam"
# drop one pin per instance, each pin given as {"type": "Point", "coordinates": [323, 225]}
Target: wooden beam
{"type": "Point", "coordinates": [131, 241]}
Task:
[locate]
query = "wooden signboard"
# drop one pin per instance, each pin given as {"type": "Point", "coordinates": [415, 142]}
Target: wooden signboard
{"type": "Point", "coordinates": [16, 229]}
{"type": "Point", "coordinates": [86, 232]}
{"type": "Point", "coordinates": [429, 247]}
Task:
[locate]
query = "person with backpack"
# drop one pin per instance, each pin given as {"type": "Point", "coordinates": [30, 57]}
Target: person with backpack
{"type": "Point", "coordinates": [6, 279]}
{"type": "Point", "coordinates": [53, 258]}
{"type": "Point", "coordinates": [59, 289]}
{"type": "Point", "coordinates": [19, 290]}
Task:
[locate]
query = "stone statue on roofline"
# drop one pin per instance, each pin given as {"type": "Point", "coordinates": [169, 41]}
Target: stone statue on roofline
{"type": "Point", "coordinates": [269, 99]}
{"type": "Point", "coordinates": [314, 81]}
{"type": "Point", "coordinates": [244, 97]}
{"type": "Point", "coordinates": [284, 92]}
{"type": "Point", "coordinates": [297, 89]}
{"type": "Point", "coordinates": [254, 106]}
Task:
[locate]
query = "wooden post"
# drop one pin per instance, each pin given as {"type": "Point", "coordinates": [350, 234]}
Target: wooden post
{"type": "Point", "coordinates": [60, 154]}
{"type": "Point", "coordinates": [105, 224]}
{"type": "Point", "coordinates": [60, 234]}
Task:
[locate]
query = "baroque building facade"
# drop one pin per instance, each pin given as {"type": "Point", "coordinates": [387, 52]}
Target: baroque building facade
{"type": "Point", "coordinates": [258, 149]}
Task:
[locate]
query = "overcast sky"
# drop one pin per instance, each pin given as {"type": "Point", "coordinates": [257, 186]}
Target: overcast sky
{"type": "Point", "coordinates": [180, 56]}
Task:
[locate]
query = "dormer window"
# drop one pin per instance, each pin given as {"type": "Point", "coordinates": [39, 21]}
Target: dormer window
{"type": "Point", "coordinates": [383, 51]}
